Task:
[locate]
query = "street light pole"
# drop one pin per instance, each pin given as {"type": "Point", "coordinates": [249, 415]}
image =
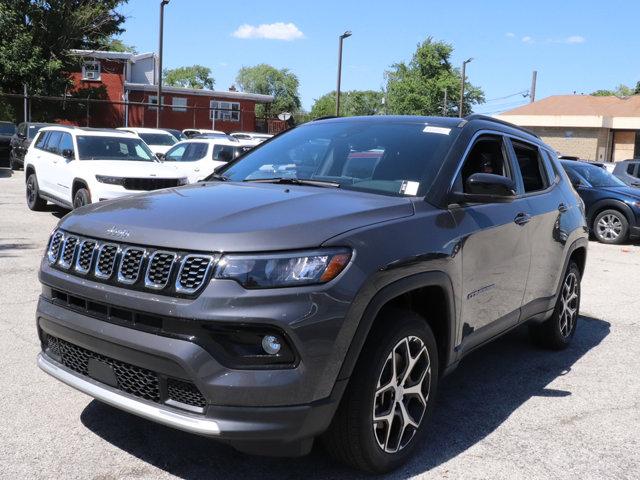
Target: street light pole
{"type": "Point", "coordinates": [346, 34]}
{"type": "Point", "coordinates": [159, 93]}
{"type": "Point", "coordinates": [464, 77]}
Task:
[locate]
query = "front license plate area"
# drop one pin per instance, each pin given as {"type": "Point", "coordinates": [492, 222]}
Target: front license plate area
{"type": "Point", "coordinates": [102, 372]}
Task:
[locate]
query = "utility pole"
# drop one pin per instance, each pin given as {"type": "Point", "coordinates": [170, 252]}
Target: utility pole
{"type": "Point", "coordinates": [532, 92]}
{"type": "Point", "coordinates": [464, 77]}
{"type": "Point", "coordinates": [445, 112]}
{"type": "Point", "coordinates": [346, 34]}
{"type": "Point", "coordinates": [26, 103]}
{"type": "Point", "coordinates": [159, 94]}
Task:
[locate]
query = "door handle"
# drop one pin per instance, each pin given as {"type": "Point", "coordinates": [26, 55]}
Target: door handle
{"type": "Point", "coordinates": [562, 208]}
{"type": "Point", "coordinates": [522, 218]}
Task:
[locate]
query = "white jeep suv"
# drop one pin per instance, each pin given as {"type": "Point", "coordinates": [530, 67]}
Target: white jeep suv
{"type": "Point", "coordinates": [72, 167]}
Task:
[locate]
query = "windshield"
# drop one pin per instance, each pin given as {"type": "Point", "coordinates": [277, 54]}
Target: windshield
{"type": "Point", "coordinates": [596, 176]}
{"type": "Point", "coordinates": [7, 128]}
{"type": "Point", "coordinates": [187, 152]}
{"type": "Point", "coordinates": [164, 139]}
{"type": "Point", "coordinates": [381, 157]}
{"type": "Point", "coordinates": [225, 153]}
{"type": "Point", "coordinates": [113, 148]}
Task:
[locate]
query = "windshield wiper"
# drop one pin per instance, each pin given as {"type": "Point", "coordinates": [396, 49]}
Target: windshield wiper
{"type": "Point", "coordinates": [216, 176]}
{"type": "Point", "coordinates": [294, 181]}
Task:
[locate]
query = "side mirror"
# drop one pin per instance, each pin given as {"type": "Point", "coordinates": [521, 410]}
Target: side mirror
{"type": "Point", "coordinates": [67, 153]}
{"type": "Point", "coordinates": [487, 188]}
{"type": "Point", "coordinates": [160, 156]}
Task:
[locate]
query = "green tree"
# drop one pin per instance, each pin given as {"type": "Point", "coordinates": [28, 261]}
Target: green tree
{"type": "Point", "coordinates": [268, 80]}
{"type": "Point", "coordinates": [418, 87]}
{"type": "Point", "coordinates": [195, 76]}
{"type": "Point", "coordinates": [620, 91]}
{"type": "Point", "coordinates": [113, 44]}
{"type": "Point", "coordinates": [352, 103]}
{"type": "Point", "coordinates": [37, 37]}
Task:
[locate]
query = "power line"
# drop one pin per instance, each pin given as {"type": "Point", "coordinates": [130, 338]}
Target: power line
{"type": "Point", "coordinates": [524, 93]}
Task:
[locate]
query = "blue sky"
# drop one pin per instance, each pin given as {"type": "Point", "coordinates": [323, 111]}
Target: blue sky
{"type": "Point", "coordinates": [575, 45]}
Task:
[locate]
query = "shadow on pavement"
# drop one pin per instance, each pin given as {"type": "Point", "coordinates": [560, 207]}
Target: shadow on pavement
{"type": "Point", "coordinates": [477, 398]}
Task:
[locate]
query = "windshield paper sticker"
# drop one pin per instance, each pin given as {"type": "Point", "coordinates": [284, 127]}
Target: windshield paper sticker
{"type": "Point", "coordinates": [440, 130]}
{"type": "Point", "coordinates": [409, 188]}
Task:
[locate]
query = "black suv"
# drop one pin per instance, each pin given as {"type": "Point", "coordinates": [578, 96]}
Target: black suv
{"type": "Point", "coordinates": [321, 285]}
{"type": "Point", "coordinates": [21, 140]}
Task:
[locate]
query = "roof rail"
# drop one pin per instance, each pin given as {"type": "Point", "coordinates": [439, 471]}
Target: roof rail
{"type": "Point", "coordinates": [476, 116]}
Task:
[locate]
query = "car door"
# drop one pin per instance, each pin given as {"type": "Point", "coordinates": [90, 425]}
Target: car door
{"type": "Point", "coordinates": [495, 248]}
{"type": "Point", "coordinates": [548, 208]}
{"type": "Point", "coordinates": [53, 161]}
{"type": "Point", "coordinates": [64, 156]}
{"type": "Point", "coordinates": [41, 159]}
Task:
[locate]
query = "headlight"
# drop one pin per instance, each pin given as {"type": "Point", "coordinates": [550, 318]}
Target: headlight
{"type": "Point", "coordinates": [283, 270]}
{"type": "Point", "coordinates": [109, 180]}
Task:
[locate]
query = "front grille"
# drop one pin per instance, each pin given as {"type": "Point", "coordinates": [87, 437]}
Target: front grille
{"type": "Point", "coordinates": [178, 273]}
{"type": "Point", "coordinates": [85, 256]}
{"type": "Point", "coordinates": [54, 246]}
{"type": "Point", "coordinates": [130, 265]}
{"type": "Point", "coordinates": [159, 269]}
{"type": "Point", "coordinates": [106, 260]}
{"type": "Point", "coordinates": [68, 250]}
{"type": "Point", "coordinates": [149, 183]}
{"type": "Point", "coordinates": [134, 380]}
{"type": "Point", "coordinates": [192, 273]}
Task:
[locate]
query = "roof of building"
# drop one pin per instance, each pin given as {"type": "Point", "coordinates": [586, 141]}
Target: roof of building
{"type": "Point", "coordinates": [234, 95]}
{"type": "Point", "coordinates": [581, 105]}
{"type": "Point", "coordinates": [107, 55]}
{"type": "Point", "coordinates": [578, 111]}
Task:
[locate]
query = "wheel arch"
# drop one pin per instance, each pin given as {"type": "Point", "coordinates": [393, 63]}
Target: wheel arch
{"type": "Point", "coordinates": [609, 204]}
{"type": "Point", "coordinates": [28, 170]}
{"type": "Point", "coordinates": [429, 292]}
{"type": "Point", "coordinates": [76, 185]}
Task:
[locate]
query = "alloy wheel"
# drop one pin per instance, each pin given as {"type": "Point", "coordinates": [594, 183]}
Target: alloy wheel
{"type": "Point", "coordinates": [31, 190]}
{"type": "Point", "coordinates": [402, 393]}
{"type": "Point", "coordinates": [569, 300]}
{"type": "Point", "coordinates": [609, 227]}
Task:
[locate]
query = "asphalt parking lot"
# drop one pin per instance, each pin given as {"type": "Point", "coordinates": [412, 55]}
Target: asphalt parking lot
{"type": "Point", "coordinates": [510, 410]}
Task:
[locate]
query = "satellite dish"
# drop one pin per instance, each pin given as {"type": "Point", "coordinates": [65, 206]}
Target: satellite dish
{"type": "Point", "coordinates": [284, 116]}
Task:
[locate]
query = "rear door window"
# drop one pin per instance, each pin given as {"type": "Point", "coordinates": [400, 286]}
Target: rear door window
{"type": "Point", "coordinates": [534, 175]}
{"type": "Point", "coordinates": [53, 141]}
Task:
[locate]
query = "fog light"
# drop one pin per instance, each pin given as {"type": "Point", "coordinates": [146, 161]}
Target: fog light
{"type": "Point", "coordinates": [271, 344]}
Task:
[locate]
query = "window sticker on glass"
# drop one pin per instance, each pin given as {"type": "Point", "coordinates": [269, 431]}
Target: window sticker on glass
{"type": "Point", "coordinates": [439, 130]}
{"type": "Point", "coordinates": [409, 188]}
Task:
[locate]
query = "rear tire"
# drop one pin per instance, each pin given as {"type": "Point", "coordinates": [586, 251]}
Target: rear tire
{"type": "Point", "coordinates": [81, 198]}
{"type": "Point", "coordinates": [380, 420]}
{"type": "Point", "coordinates": [611, 227]}
{"type": "Point", "coordinates": [557, 332]}
{"type": "Point", "coordinates": [34, 201]}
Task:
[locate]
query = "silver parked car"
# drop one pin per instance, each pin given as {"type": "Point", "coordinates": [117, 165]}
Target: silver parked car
{"type": "Point", "coordinates": [628, 171]}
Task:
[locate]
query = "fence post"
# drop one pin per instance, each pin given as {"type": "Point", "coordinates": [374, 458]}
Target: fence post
{"type": "Point", "coordinates": [26, 103]}
{"type": "Point", "coordinates": [87, 121]}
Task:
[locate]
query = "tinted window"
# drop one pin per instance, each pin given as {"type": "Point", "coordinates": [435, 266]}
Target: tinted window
{"type": "Point", "coordinates": [7, 128]}
{"type": "Point", "coordinates": [631, 169]}
{"type": "Point", "coordinates": [187, 152]}
{"type": "Point", "coordinates": [113, 148]}
{"type": "Point", "coordinates": [22, 129]}
{"type": "Point", "coordinates": [412, 155]}
{"type": "Point", "coordinates": [225, 153]}
{"type": "Point", "coordinates": [486, 156]}
{"type": "Point", "coordinates": [53, 141]}
{"type": "Point", "coordinates": [534, 176]}
{"type": "Point", "coordinates": [158, 139]}
{"type": "Point", "coordinates": [66, 143]}
{"type": "Point", "coordinates": [33, 129]}
{"type": "Point", "coordinates": [175, 154]}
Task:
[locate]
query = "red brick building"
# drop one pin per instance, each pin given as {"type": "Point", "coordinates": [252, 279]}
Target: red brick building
{"type": "Point", "coordinates": [131, 79]}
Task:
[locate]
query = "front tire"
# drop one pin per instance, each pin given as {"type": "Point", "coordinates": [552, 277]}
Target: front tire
{"type": "Point", "coordinates": [390, 396]}
{"type": "Point", "coordinates": [81, 198]}
{"type": "Point", "coordinates": [34, 201]}
{"type": "Point", "coordinates": [611, 227]}
{"type": "Point", "coordinates": [557, 332]}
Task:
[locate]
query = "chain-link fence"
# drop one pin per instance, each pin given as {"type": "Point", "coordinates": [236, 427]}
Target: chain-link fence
{"type": "Point", "coordinates": [101, 113]}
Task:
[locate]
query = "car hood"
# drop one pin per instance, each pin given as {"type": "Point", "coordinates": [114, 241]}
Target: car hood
{"type": "Point", "coordinates": [128, 168]}
{"type": "Point", "coordinates": [628, 191]}
{"type": "Point", "coordinates": [236, 217]}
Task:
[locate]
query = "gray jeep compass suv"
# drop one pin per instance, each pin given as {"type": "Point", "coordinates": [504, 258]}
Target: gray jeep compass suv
{"type": "Point", "coordinates": [319, 286]}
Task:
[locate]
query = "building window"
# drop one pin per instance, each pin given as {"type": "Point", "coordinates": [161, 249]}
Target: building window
{"type": "Point", "coordinates": [179, 104]}
{"type": "Point", "coordinates": [154, 99]}
{"type": "Point", "coordinates": [225, 111]}
{"type": "Point", "coordinates": [91, 71]}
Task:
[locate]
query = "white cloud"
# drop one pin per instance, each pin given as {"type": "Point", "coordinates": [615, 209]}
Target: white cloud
{"type": "Point", "coordinates": [510, 34]}
{"type": "Point", "coordinates": [527, 39]}
{"type": "Point", "coordinates": [575, 39]}
{"type": "Point", "coordinates": [271, 31]}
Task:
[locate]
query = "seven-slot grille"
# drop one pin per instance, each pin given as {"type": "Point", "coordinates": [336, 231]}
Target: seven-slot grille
{"type": "Point", "coordinates": [137, 381]}
{"type": "Point", "coordinates": [139, 268]}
